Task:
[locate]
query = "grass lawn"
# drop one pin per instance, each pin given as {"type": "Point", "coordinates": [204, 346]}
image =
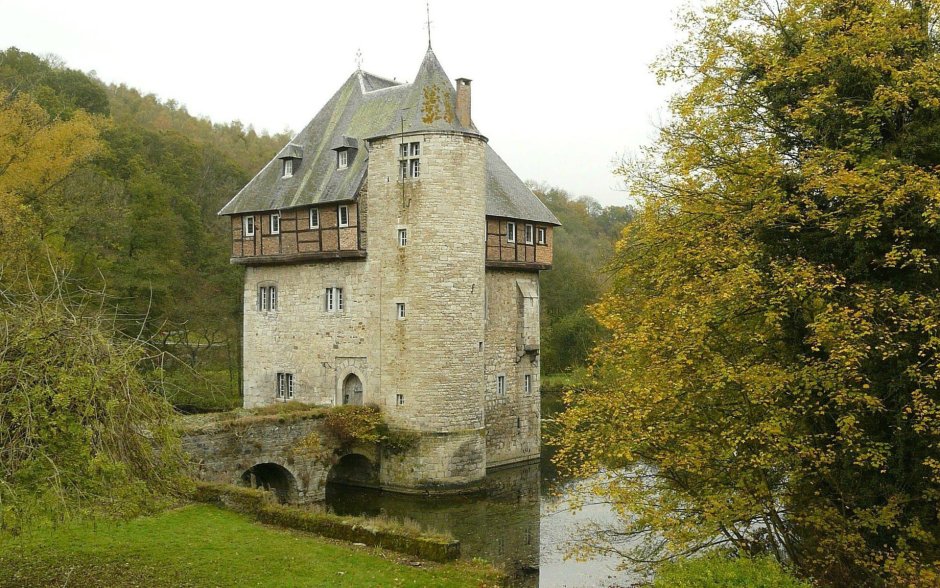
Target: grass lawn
{"type": "Point", "coordinates": [200, 545]}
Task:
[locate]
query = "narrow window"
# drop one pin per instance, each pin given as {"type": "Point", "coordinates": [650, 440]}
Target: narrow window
{"type": "Point", "coordinates": [290, 386]}
{"type": "Point", "coordinates": [500, 385]}
{"type": "Point", "coordinates": [403, 169]}
{"type": "Point", "coordinates": [314, 218]}
{"type": "Point", "coordinates": [250, 226]}
{"type": "Point", "coordinates": [342, 159]}
{"type": "Point", "coordinates": [527, 384]}
{"type": "Point", "coordinates": [330, 303]}
{"type": "Point", "coordinates": [415, 168]}
{"type": "Point", "coordinates": [288, 168]}
{"type": "Point", "coordinates": [272, 297]}
{"type": "Point", "coordinates": [400, 399]}
{"type": "Point", "coordinates": [415, 149]}
{"type": "Point", "coordinates": [529, 235]}
{"type": "Point", "coordinates": [401, 310]}
{"type": "Point", "coordinates": [402, 237]}
{"type": "Point", "coordinates": [339, 298]}
{"type": "Point", "coordinates": [344, 216]}
{"type": "Point", "coordinates": [262, 298]}
{"type": "Point", "coordinates": [541, 236]}
{"type": "Point", "coordinates": [511, 232]}
{"type": "Point", "coordinates": [403, 150]}
{"type": "Point", "coordinates": [275, 223]}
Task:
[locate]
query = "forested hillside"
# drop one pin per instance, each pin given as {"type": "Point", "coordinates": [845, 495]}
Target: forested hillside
{"type": "Point", "coordinates": [138, 219]}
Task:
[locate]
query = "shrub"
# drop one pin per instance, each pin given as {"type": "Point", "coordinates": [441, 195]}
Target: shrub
{"type": "Point", "coordinates": [355, 424]}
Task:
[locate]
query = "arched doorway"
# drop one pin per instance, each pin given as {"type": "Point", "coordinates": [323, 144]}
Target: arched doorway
{"type": "Point", "coordinates": [272, 477]}
{"type": "Point", "coordinates": [352, 390]}
{"type": "Point", "coordinates": [354, 470]}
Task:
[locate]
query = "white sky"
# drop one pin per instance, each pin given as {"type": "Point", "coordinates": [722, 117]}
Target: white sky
{"type": "Point", "coordinates": [562, 89]}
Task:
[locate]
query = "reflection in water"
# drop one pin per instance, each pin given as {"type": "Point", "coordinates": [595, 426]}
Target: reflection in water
{"type": "Point", "coordinates": [501, 524]}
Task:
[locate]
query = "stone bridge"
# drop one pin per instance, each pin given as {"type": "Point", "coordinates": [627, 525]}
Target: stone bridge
{"type": "Point", "coordinates": [292, 454]}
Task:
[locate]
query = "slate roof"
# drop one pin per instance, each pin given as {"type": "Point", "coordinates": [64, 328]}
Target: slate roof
{"type": "Point", "coordinates": [368, 107]}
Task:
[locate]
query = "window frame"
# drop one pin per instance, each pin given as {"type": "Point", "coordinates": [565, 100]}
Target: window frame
{"type": "Point", "coordinates": [287, 170]}
{"type": "Point", "coordinates": [274, 221]}
{"type": "Point", "coordinates": [402, 237]}
{"type": "Point", "coordinates": [342, 159]}
{"type": "Point", "coordinates": [501, 385]}
{"type": "Point", "coordinates": [529, 234]}
{"type": "Point", "coordinates": [248, 226]}
{"type": "Point", "coordinates": [510, 232]}
{"type": "Point", "coordinates": [409, 160]}
{"type": "Point", "coordinates": [333, 300]}
{"type": "Point", "coordinates": [527, 384]}
{"type": "Point", "coordinates": [314, 215]}
{"type": "Point", "coordinates": [341, 211]}
{"type": "Point", "coordinates": [399, 400]}
{"type": "Point", "coordinates": [400, 311]}
{"type": "Point", "coordinates": [542, 236]}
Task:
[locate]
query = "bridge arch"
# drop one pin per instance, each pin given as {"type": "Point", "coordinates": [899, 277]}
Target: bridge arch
{"type": "Point", "coordinates": [272, 477]}
{"type": "Point", "coordinates": [354, 469]}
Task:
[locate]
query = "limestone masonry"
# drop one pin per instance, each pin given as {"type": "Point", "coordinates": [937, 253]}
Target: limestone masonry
{"type": "Point", "coordinates": [392, 258]}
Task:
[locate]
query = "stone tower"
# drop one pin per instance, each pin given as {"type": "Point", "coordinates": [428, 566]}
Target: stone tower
{"type": "Point", "coordinates": [392, 258]}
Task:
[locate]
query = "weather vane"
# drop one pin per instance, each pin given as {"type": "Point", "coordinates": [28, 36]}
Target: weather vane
{"type": "Point", "coordinates": [358, 60]}
{"type": "Point", "coordinates": [427, 6]}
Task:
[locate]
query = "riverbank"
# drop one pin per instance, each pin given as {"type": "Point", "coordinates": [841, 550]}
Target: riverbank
{"type": "Point", "coordinates": [202, 545]}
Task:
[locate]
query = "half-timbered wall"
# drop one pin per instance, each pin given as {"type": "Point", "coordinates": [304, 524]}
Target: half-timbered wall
{"type": "Point", "coordinates": [296, 238]}
{"type": "Point", "coordinates": [501, 252]}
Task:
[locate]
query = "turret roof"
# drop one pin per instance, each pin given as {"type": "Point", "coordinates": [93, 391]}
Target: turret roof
{"type": "Point", "coordinates": [367, 107]}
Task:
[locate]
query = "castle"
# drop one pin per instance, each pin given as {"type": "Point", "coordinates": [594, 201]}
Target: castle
{"type": "Point", "coordinates": [393, 258]}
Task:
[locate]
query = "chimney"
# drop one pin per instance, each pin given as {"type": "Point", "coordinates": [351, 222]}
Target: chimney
{"type": "Point", "coordinates": [463, 102]}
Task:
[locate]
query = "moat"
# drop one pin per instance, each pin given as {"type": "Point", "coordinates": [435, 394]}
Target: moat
{"type": "Point", "coordinates": [520, 520]}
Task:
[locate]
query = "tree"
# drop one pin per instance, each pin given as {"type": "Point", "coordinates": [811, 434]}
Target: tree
{"type": "Point", "coordinates": [771, 379]}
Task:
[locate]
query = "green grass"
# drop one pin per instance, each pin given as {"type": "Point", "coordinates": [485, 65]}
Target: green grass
{"type": "Point", "coordinates": [716, 570]}
{"type": "Point", "coordinates": [200, 545]}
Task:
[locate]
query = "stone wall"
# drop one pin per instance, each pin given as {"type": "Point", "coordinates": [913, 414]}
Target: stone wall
{"type": "Point", "coordinates": [512, 325]}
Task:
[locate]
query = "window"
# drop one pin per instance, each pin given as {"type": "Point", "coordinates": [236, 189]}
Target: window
{"type": "Point", "coordinates": [400, 308]}
{"type": "Point", "coordinates": [541, 234]}
{"type": "Point", "coordinates": [511, 232]}
{"type": "Point", "coordinates": [342, 159]}
{"type": "Point", "coordinates": [333, 300]}
{"type": "Point", "coordinates": [529, 234]}
{"type": "Point", "coordinates": [409, 165]}
{"type": "Point", "coordinates": [527, 384]}
{"type": "Point", "coordinates": [402, 237]}
{"type": "Point", "coordinates": [250, 226]}
{"type": "Point", "coordinates": [400, 399]}
{"type": "Point", "coordinates": [267, 298]}
{"type": "Point", "coordinates": [275, 223]}
{"type": "Point", "coordinates": [344, 216]}
{"type": "Point", "coordinates": [288, 168]}
{"type": "Point", "coordinates": [500, 385]}
{"type": "Point", "coordinates": [314, 218]}
{"type": "Point", "coordinates": [285, 386]}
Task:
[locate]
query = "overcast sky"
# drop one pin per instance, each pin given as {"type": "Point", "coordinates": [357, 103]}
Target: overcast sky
{"type": "Point", "coordinates": [561, 89]}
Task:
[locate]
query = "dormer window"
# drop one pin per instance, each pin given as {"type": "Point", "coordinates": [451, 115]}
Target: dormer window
{"type": "Point", "coordinates": [290, 157]}
{"type": "Point", "coordinates": [342, 159]}
{"type": "Point", "coordinates": [345, 148]}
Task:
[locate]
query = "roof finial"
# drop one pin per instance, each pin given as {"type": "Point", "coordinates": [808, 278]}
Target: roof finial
{"type": "Point", "coordinates": [427, 6]}
{"type": "Point", "coordinates": [359, 60]}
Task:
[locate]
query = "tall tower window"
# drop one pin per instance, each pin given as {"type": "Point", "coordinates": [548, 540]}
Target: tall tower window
{"type": "Point", "coordinates": [500, 385]}
{"type": "Point", "coordinates": [409, 165]}
{"type": "Point", "coordinates": [527, 384]}
{"type": "Point", "coordinates": [402, 237]}
{"type": "Point", "coordinates": [333, 300]}
{"type": "Point", "coordinates": [285, 386]}
{"type": "Point", "coordinates": [400, 310]}
{"type": "Point", "coordinates": [267, 298]}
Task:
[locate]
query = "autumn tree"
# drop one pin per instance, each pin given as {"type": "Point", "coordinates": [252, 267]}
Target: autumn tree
{"type": "Point", "coordinates": [771, 382]}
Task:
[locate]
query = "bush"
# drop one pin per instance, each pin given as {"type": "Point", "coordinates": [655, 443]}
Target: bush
{"type": "Point", "coordinates": [720, 570]}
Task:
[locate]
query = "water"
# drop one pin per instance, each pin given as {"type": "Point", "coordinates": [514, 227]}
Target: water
{"type": "Point", "coordinates": [521, 521]}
